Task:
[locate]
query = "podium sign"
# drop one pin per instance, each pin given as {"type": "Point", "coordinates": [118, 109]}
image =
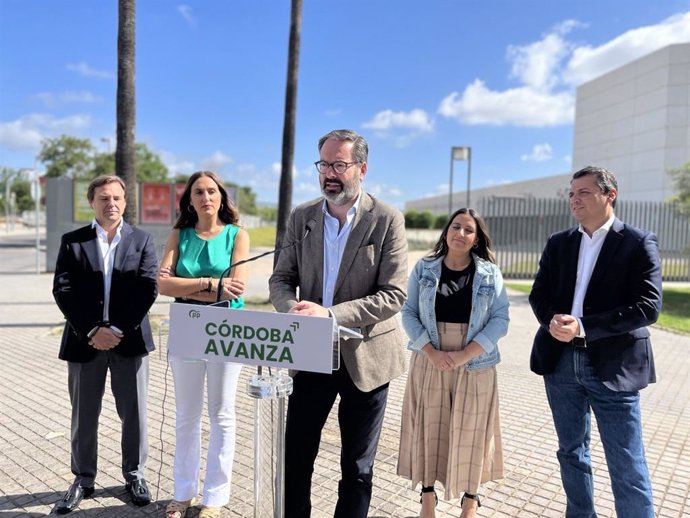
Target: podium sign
{"type": "Point", "coordinates": [279, 340]}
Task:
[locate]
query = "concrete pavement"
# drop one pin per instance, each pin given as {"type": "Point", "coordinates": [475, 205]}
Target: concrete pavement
{"type": "Point", "coordinates": [35, 410]}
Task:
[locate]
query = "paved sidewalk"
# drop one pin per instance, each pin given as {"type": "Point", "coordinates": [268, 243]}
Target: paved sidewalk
{"type": "Point", "coordinates": [35, 410]}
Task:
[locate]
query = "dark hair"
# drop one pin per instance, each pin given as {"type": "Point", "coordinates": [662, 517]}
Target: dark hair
{"type": "Point", "coordinates": [606, 181]}
{"type": "Point", "coordinates": [360, 149]}
{"type": "Point", "coordinates": [483, 243]}
{"type": "Point", "coordinates": [101, 180]}
{"type": "Point", "coordinates": [228, 214]}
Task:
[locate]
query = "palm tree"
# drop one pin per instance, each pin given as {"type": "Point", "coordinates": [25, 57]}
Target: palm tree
{"type": "Point", "coordinates": [285, 190]}
{"type": "Point", "coordinates": [126, 105]}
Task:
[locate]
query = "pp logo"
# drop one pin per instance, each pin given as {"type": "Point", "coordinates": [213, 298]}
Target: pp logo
{"type": "Point", "coordinates": [194, 314]}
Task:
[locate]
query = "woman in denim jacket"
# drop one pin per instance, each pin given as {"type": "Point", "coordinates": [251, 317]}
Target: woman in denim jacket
{"type": "Point", "coordinates": [456, 311]}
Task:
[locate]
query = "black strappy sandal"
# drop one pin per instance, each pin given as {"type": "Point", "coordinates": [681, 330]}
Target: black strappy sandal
{"type": "Point", "coordinates": [429, 489]}
{"type": "Point", "coordinates": [470, 497]}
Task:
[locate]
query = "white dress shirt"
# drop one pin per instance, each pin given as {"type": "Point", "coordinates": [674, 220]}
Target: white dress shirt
{"type": "Point", "coordinates": [589, 253]}
{"type": "Point", "coordinates": [108, 257]}
{"type": "Point", "coordinates": [334, 241]}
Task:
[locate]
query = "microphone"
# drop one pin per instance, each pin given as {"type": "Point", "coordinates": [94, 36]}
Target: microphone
{"type": "Point", "coordinates": [308, 227]}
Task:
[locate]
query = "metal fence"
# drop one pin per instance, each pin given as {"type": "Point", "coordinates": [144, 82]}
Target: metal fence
{"type": "Point", "coordinates": [520, 227]}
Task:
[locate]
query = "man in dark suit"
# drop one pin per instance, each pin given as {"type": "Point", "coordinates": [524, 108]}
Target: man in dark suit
{"type": "Point", "coordinates": [597, 288]}
{"type": "Point", "coordinates": [105, 283]}
{"type": "Point", "coordinates": [352, 267]}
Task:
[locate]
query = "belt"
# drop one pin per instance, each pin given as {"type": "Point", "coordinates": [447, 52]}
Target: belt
{"type": "Point", "coordinates": [579, 342]}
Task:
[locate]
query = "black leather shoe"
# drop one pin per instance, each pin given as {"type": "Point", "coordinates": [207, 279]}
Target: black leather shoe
{"type": "Point", "coordinates": [71, 500]}
{"type": "Point", "coordinates": [139, 492]}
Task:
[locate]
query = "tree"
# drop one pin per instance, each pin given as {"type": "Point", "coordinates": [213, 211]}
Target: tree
{"type": "Point", "coordinates": [681, 183]}
{"type": "Point", "coordinates": [411, 218]}
{"type": "Point", "coordinates": [416, 219]}
{"type": "Point", "coordinates": [285, 190]}
{"type": "Point", "coordinates": [18, 188]}
{"type": "Point", "coordinates": [440, 221]}
{"type": "Point", "coordinates": [245, 198]}
{"type": "Point", "coordinates": [148, 165]}
{"type": "Point", "coordinates": [125, 162]}
{"type": "Point", "coordinates": [22, 192]}
{"type": "Point", "coordinates": [268, 213]}
{"type": "Point", "coordinates": [67, 156]}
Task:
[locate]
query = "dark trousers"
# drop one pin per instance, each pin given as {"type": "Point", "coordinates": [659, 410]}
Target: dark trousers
{"type": "Point", "coordinates": [129, 383]}
{"type": "Point", "coordinates": [360, 416]}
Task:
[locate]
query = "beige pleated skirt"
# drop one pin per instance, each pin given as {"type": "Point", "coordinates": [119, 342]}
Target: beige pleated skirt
{"type": "Point", "coordinates": [451, 430]}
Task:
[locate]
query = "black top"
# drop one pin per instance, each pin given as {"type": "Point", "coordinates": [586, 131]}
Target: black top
{"type": "Point", "coordinates": [454, 294]}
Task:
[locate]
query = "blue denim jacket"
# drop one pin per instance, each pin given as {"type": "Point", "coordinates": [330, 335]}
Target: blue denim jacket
{"type": "Point", "coordinates": [488, 318]}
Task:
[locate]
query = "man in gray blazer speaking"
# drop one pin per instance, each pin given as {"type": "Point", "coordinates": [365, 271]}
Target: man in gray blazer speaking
{"type": "Point", "coordinates": [352, 267]}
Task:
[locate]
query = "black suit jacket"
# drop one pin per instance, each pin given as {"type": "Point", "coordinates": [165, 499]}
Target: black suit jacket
{"type": "Point", "coordinates": [622, 298]}
{"type": "Point", "coordinates": [78, 291]}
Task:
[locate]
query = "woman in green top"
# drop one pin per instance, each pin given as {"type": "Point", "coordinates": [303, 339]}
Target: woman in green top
{"type": "Point", "coordinates": [204, 242]}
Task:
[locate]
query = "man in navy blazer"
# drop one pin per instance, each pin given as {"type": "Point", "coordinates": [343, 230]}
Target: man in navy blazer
{"type": "Point", "coordinates": [597, 288]}
{"type": "Point", "coordinates": [105, 284]}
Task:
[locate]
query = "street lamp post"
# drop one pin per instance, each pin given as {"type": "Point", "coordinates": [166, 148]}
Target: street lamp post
{"type": "Point", "coordinates": [459, 153]}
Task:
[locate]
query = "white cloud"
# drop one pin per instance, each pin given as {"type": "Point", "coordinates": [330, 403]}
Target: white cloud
{"type": "Point", "coordinates": [85, 70]}
{"type": "Point", "coordinates": [535, 65]}
{"type": "Point", "coordinates": [175, 164]}
{"type": "Point", "coordinates": [522, 106]}
{"type": "Point", "coordinates": [540, 153]}
{"type": "Point", "coordinates": [333, 112]}
{"type": "Point", "coordinates": [216, 161]}
{"type": "Point", "coordinates": [52, 99]}
{"type": "Point", "coordinates": [589, 62]}
{"type": "Point", "coordinates": [277, 169]}
{"type": "Point", "coordinates": [548, 70]}
{"type": "Point", "coordinates": [186, 12]}
{"type": "Point", "coordinates": [28, 131]}
{"type": "Point", "coordinates": [402, 128]}
{"type": "Point", "coordinates": [388, 119]}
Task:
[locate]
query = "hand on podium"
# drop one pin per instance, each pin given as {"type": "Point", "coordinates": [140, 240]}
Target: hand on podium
{"type": "Point", "coordinates": [311, 309]}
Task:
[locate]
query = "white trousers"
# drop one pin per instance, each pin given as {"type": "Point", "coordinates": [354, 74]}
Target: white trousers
{"type": "Point", "coordinates": [221, 379]}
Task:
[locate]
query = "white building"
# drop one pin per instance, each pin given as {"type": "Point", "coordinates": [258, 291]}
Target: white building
{"type": "Point", "coordinates": [633, 120]}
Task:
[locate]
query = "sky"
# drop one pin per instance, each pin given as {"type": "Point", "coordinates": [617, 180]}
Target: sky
{"type": "Point", "coordinates": [414, 78]}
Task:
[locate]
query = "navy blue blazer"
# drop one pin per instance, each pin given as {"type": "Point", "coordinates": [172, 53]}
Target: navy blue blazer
{"type": "Point", "coordinates": [78, 290]}
{"type": "Point", "coordinates": [622, 298]}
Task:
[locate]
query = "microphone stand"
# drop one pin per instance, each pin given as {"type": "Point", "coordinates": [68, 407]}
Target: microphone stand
{"type": "Point", "coordinates": [261, 387]}
{"type": "Point", "coordinates": [226, 272]}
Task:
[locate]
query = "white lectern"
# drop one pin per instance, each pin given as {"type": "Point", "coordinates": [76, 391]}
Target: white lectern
{"type": "Point", "coordinates": [274, 340]}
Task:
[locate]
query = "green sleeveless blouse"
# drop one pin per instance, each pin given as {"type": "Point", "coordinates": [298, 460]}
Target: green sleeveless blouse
{"type": "Point", "coordinates": [206, 258]}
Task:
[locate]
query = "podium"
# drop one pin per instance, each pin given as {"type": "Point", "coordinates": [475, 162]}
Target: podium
{"type": "Point", "coordinates": [273, 340]}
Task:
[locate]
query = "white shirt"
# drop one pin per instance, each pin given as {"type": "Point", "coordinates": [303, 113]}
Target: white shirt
{"type": "Point", "coordinates": [108, 257]}
{"type": "Point", "coordinates": [334, 241]}
{"type": "Point", "coordinates": [589, 253]}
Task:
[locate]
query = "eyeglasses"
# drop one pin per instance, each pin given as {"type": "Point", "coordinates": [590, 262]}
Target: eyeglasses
{"type": "Point", "coordinates": [338, 166]}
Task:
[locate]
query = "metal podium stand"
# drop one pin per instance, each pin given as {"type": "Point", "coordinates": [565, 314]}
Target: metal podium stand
{"type": "Point", "coordinates": [266, 340]}
{"type": "Point", "coordinates": [279, 387]}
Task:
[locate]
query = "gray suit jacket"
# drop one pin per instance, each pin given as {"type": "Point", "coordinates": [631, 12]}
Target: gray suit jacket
{"type": "Point", "coordinates": [370, 288]}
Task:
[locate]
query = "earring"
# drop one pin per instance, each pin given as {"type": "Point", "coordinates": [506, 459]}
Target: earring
{"type": "Point", "coordinates": [221, 206]}
{"type": "Point", "coordinates": [190, 209]}
{"type": "Point", "coordinates": [475, 245]}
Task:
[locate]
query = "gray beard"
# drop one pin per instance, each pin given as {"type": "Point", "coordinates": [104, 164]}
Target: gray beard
{"type": "Point", "coordinates": [344, 197]}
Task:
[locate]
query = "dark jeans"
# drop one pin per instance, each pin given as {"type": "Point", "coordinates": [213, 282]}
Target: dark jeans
{"type": "Point", "coordinates": [574, 391]}
{"type": "Point", "coordinates": [360, 416]}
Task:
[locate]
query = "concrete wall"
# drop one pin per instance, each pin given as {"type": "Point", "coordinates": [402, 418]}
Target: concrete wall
{"type": "Point", "coordinates": [546, 187]}
{"type": "Point", "coordinates": [635, 121]}
{"type": "Point", "coordinates": [60, 214]}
